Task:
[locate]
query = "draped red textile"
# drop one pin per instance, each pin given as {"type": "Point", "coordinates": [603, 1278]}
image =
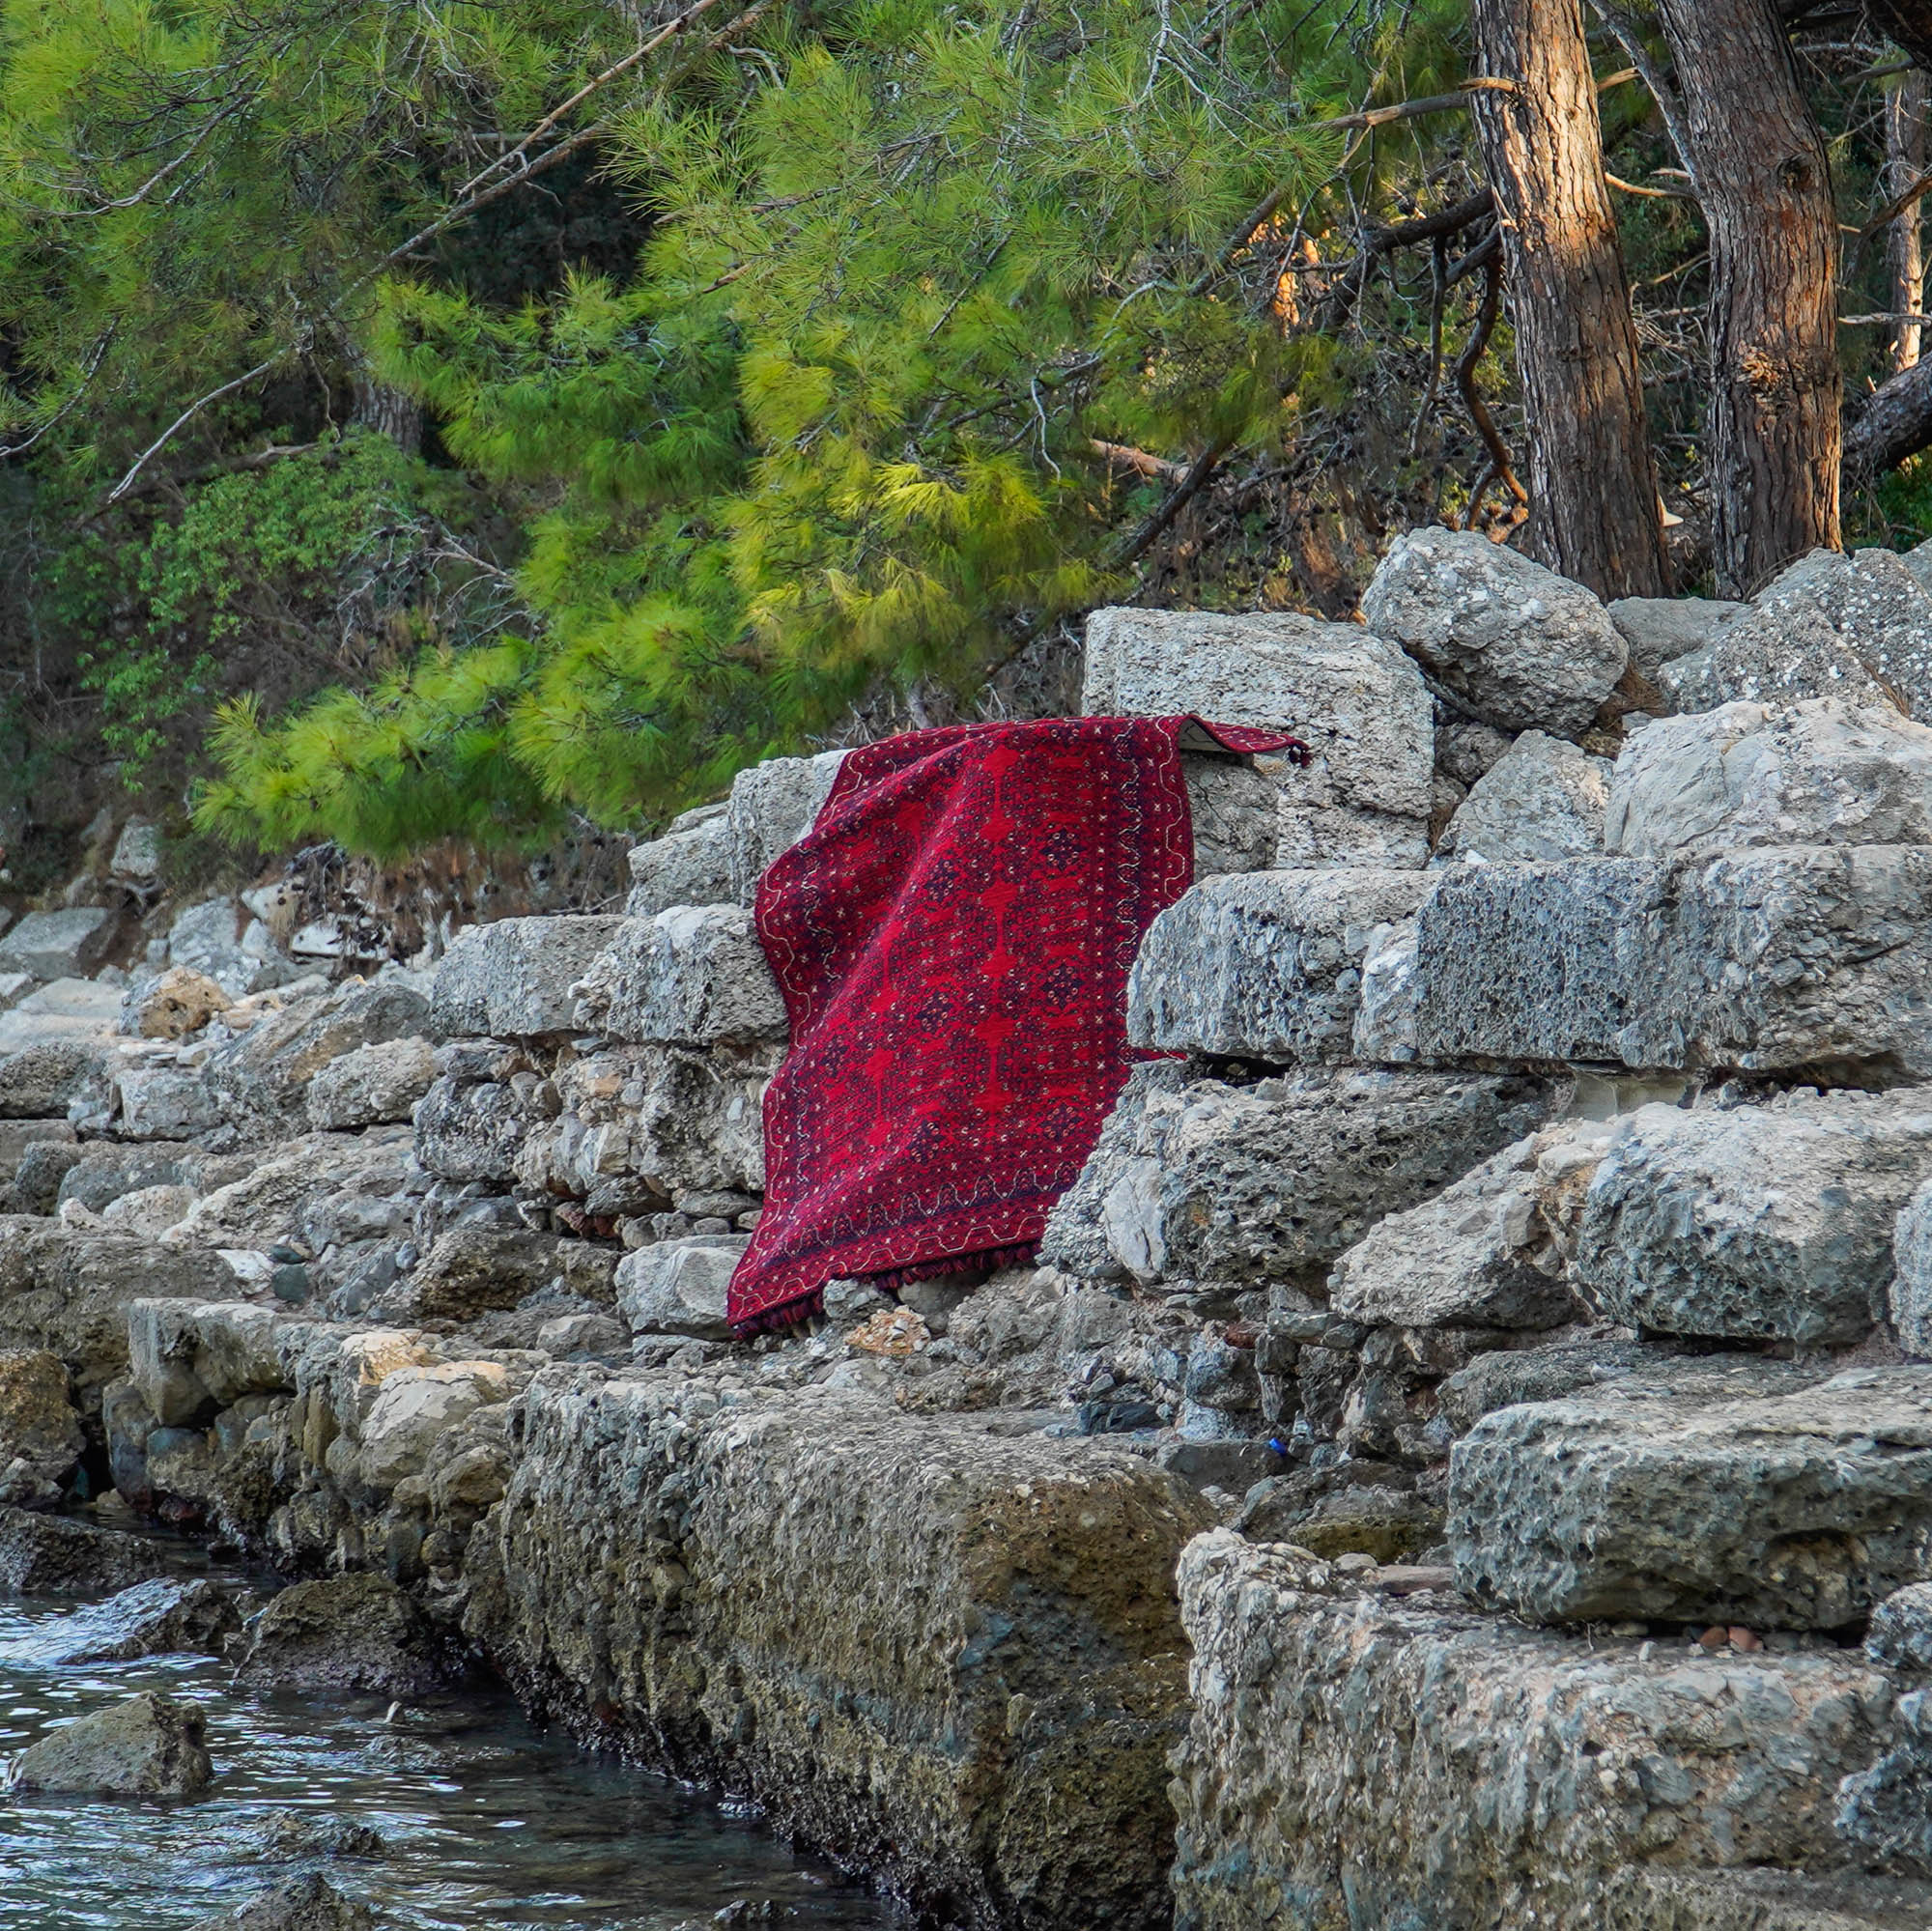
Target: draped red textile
{"type": "Point", "coordinates": [952, 939]}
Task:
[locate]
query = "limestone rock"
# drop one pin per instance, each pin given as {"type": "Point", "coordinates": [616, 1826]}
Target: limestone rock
{"type": "Point", "coordinates": [1819, 773]}
{"type": "Point", "coordinates": [1275, 1181]}
{"type": "Point", "coordinates": [678, 1286]}
{"type": "Point", "coordinates": [138, 852]}
{"type": "Point", "coordinates": [43, 1165]}
{"type": "Point", "coordinates": [1900, 1632]}
{"type": "Point", "coordinates": [1911, 1292]}
{"type": "Point", "coordinates": [164, 1103]}
{"type": "Point", "coordinates": [48, 1082]}
{"type": "Point", "coordinates": [1236, 809]}
{"type": "Point", "coordinates": [371, 1086]}
{"type": "Point", "coordinates": [472, 1130]}
{"type": "Point", "coordinates": [471, 1270]}
{"type": "Point", "coordinates": [689, 865]}
{"type": "Point", "coordinates": [1544, 799]}
{"type": "Point", "coordinates": [694, 976]}
{"type": "Point", "coordinates": [414, 1406]}
{"type": "Point", "coordinates": [40, 1433]}
{"type": "Point", "coordinates": [1075, 1240]}
{"type": "Point", "coordinates": [161, 1617]}
{"type": "Point", "coordinates": [51, 1555]}
{"type": "Point", "coordinates": [1660, 630]}
{"type": "Point", "coordinates": [1772, 656]}
{"type": "Point", "coordinates": [188, 1359]}
{"type": "Point", "coordinates": [816, 1578]}
{"type": "Point", "coordinates": [222, 941]}
{"type": "Point", "coordinates": [1527, 649]}
{"type": "Point", "coordinates": [179, 1001]}
{"type": "Point", "coordinates": [1466, 751]}
{"type": "Point", "coordinates": [149, 1211]}
{"type": "Point", "coordinates": [58, 945]}
{"type": "Point", "coordinates": [265, 1205]}
{"type": "Point", "coordinates": [512, 979]}
{"type": "Point", "coordinates": [1795, 1511]}
{"type": "Point", "coordinates": [148, 1746]}
{"type": "Point", "coordinates": [1758, 1222]}
{"type": "Point", "coordinates": [308, 1903]}
{"type": "Point", "coordinates": [1265, 965]}
{"type": "Point", "coordinates": [347, 1634]}
{"type": "Point", "coordinates": [1385, 1029]}
{"type": "Point", "coordinates": [1782, 957]}
{"type": "Point", "coordinates": [105, 1172]}
{"type": "Point", "coordinates": [1353, 1758]}
{"type": "Point", "coordinates": [1353, 699]}
{"type": "Point", "coordinates": [17, 1136]}
{"type": "Point", "coordinates": [771, 805]}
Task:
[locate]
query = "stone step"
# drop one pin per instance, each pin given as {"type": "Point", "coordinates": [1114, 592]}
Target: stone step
{"type": "Point", "coordinates": [512, 977]}
{"type": "Point", "coordinates": [68, 1008]}
{"type": "Point", "coordinates": [1795, 1511]}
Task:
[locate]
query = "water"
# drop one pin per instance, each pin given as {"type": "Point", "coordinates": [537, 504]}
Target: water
{"type": "Point", "coordinates": [487, 1821]}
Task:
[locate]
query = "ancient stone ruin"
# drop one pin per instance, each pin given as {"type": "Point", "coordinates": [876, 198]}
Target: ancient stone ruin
{"type": "Point", "coordinates": [1461, 1460]}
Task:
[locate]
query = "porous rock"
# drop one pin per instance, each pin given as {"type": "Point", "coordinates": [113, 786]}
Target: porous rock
{"type": "Point", "coordinates": [773, 805]}
{"type": "Point", "coordinates": [40, 1433]}
{"type": "Point", "coordinates": [149, 1745]}
{"type": "Point", "coordinates": [1266, 964]}
{"type": "Point", "coordinates": [1528, 649]}
{"type": "Point", "coordinates": [471, 1270]}
{"type": "Point", "coordinates": [1541, 800]}
{"type": "Point", "coordinates": [221, 940]}
{"type": "Point", "coordinates": [689, 865]}
{"type": "Point", "coordinates": [1353, 700]}
{"type": "Point", "coordinates": [1660, 630]}
{"type": "Point", "coordinates": [51, 1555]}
{"type": "Point", "coordinates": [469, 1130]}
{"type": "Point", "coordinates": [1756, 1222]}
{"type": "Point", "coordinates": [512, 979]}
{"type": "Point", "coordinates": [179, 1001]}
{"type": "Point", "coordinates": [969, 1638]}
{"type": "Point", "coordinates": [1818, 773]}
{"type": "Point", "coordinates": [694, 975]}
{"type": "Point", "coordinates": [371, 1086]}
{"type": "Point", "coordinates": [309, 1903]}
{"type": "Point", "coordinates": [58, 945]}
{"type": "Point", "coordinates": [1795, 1511]}
{"type": "Point", "coordinates": [351, 1635]}
{"type": "Point", "coordinates": [48, 1081]}
{"type": "Point", "coordinates": [678, 1286]}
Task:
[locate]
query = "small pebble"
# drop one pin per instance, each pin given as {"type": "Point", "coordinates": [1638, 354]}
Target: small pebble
{"type": "Point", "coordinates": [1714, 1638]}
{"type": "Point", "coordinates": [1355, 1563]}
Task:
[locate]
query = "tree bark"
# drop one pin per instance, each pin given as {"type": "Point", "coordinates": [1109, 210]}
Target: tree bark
{"type": "Point", "coordinates": [1905, 250]}
{"type": "Point", "coordinates": [1594, 512]}
{"type": "Point", "coordinates": [1759, 167]}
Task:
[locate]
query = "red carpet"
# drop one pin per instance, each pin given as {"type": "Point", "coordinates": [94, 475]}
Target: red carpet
{"type": "Point", "coordinates": [952, 939]}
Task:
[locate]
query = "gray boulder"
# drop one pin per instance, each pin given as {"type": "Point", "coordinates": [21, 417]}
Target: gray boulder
{"type": "Point", "coordinates": [1236, 809]}
{"type": "Point", "coordinates": [222, 941]}
{"type": "Point", "coordinates": [371, 1086]}
{"type": "Point", "coordinates": [105, 1172]}
{"type": "Point", "coordinates": [472, 1129]}
{"type": "Point", "coordinates": [52, 1555]}
{"type": "Point", "coordinates": [164, 1103]}
{"type": "Point", "coordinates": [148, 1746]}
{"type": "Point", "coordinates": [1759, 1222]}
{"type": "Point", "coordinates": [1660, 630]}
{"type": "Point", "coordinates": [1818, 773]}
{"type": "Point", "coordinates": [694, 975]}
{"type": "Point", "coordinates": [41, 1441]}
{"type": "Point", "coordinates": [1910, 1290]}
{"type": "Point", "coordinates": [678, 1286]}
{"type": "Point", "coordinates": [308, 1903]}
{"type": "Point", "coordinates": [1265, 965]}
{"type": "Point", "coordinates": [17, 1136]}
{"type": "Point", "coordinates": [771, 805]}
{"type": "Point", "coordinates": [162, 1617]}
{"type": "Point", "coordinates": [58, 945]}
{"type": "Point", "coordinates": [1526, 649]}
{"type": "Point", "coordinates": [354, 1635]}
{"type": "Point", "coordinates": [48, 1082]}
{"type": "Point", "coordinates": [1352, 698]}
{"type": "Point", "coordinates": [474, 1270]}
{"type": "Point", "coordinates": [1795, 1511]}
{"type": "Point", "coordinates": [512, 979]}
{"type": "Point", "coordinates": [689, 865]}
{"type": "Point", "coordinates": [1780, 957]}
{"type": "Point", "coordinates": [1544, 799]}
{"type": "Point", "coordinates": [1899, 1636]}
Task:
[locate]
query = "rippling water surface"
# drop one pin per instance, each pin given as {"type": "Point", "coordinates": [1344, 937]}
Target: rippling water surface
{"type": "Point", "coordinates": [487, 1821]}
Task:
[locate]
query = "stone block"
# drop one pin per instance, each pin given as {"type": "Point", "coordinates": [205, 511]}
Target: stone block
{"type": "Point", "coordinates": [694, 975]}
{"type": "Point", "coordinates": [53, 1081]}
{"type": "Point", "coordinates": [1769, 1222]}
{"type": "Point", "coordinates": [1353, 700]}
{"type": "Point", "coordinates": [1527, 649]}
{"type": "Point", "coordinates": [474, 1270]}
{"type": "Point", "coordinates": [679, 1286]}
{"type": "Point", "coordinates": [58, 945]}
{"type": "Point", "coordinates": [969, 1638]}
{"type": "Point", "coordinates": [1818, 773]}
{"type": "Point", "coordinates": [188, 1358]}
{"type": "Point", "coordinates": [40, 1433]}
{"type": "Point", "coordinates": [413, 1407]}
{"type": "Point", "coordinates": [1794, 1511]}
{"type": "Point", "coordinates": [17, 1135]}
{"type": "Point", "coordinates": [472, 1130]}
{"type": "Point", "coordinates": [163, 1103]}
{"type": "Point", "coordinates": [371, 1086]}
{"type": "Point", "coordinates": [1779, 958]}
{"type": "Point", "coordinates": [1265, 965]}
{"type": "Point", "coordinates": [170, 1006]}
{"type": "Point", "coordinates": [1210, 1182]}
{"type": "Point", "coordinates": [1659, 629]}
{"type": "Point", "coordinates": [1541, 800]}
{"type": "Point", "coordinates": [1355, 1759]}
{"type": "Point", "coordinates": [512, 979]}
{"type": "Point", "coordinates": [222, 941]}
{"type": "Point", "coordinates": [771, 805]}
{"type": "Point", "coordinates": [689, 865]}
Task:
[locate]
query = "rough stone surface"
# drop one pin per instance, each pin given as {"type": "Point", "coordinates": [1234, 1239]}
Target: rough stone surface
{"type": "Point", "coordinates": [179, 1001]}
{"type": "Point", "coordinates": [1659, 629]}
{"type": "Point", "coordinates": [51, 1555]}
{"type": "Point", "coordinates": [1357, 1760]}
{"type": "Point", "coordinates": [693, 976]}
{"type": "Point", "coordinates": [1778, 959]}
{"type": "Point", "coordinates": [1236, 809]}
{"type": "Point", "coordinates": [17, 1135]}
{"type": "Point", "coordinates": [149, 1745]}
{"type": "Point", "coordinates": [1544, 799]}
{"type": "Point", "coordinates": [413, 1407]}
{"type": "Point", "coordinates": [45, 1082]}
{"type": "Point", "coordinates": [221, 940]}
{"type": "Point", "coordinates": [1352, 698]}
{"type": "Point", "coordinates": [473, 1270]}
{"type": "Point", "coordinates": [970, 1638]}
{"type": "Point", "coordinates": [371, 1086]}
{"type": "Point", "coordinates": [512, 979]}
{"type": "Point", "coordinates": [1900, 1633]}
{"type": "Point", "coordinates": [689, 865]}
{"type": "Point", "coordinates": [1265, 965]}
{"type": "Point", "coordinates": [469, 1130]}
{"type": "Point", "coordinates": [1910, 1295]}
{"type": "Point", "coordinates": [309, 1903]}
{"type": "Point", "coordinates": [348, 1635]}
{"type": "Point", "coordinates": [1820, 772]}
{"type": "Point", "coordinates": [58, 945]}
{"type": "Point", "coordinates": [678, 1286]}
{"type": "Point", "coordinates": [1526, 649]}
{"type": "Point", "coordinates": [40, 1433]}
{"type": "Point", "coordinates": [163, 1103]}
{"type": "Point", "coordinates": [1206, 1182]}
{"type": "Point", "coordinates": [1795, 1510]}
{"type": "Point", "coordinates": [772, 807]}
{"type": "Point", "coordinates": [161, 1617]}
{"type": "Point", "coordinates": [1758, 1222]}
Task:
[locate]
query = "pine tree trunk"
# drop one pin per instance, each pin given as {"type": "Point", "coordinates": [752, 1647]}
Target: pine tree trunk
{"type": "Point", "coordinates": [1592, 486]}
{"type": "Point", "coordinates": [1759, 166]}
{"type": "Point", "coordinates": [388, 411]}
{"type": "Point", "coordinates": [1905, 249]}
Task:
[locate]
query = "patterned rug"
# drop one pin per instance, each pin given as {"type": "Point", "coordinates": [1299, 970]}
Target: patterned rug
{"type": "Point", "coordinates": [952, 939]}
